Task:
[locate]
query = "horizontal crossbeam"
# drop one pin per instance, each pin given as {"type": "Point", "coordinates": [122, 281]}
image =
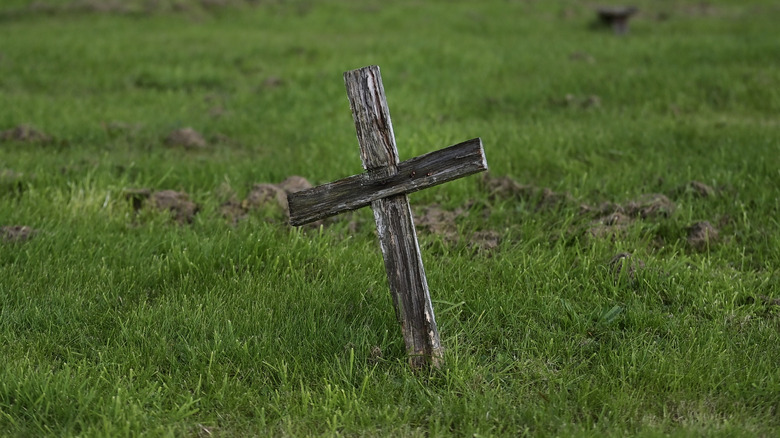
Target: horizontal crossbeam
{"type": "Point", "coordinates": [415, 174]}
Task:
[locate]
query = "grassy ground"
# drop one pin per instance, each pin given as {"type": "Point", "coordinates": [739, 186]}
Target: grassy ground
{"type": "Point", "coordinates": [122, 321]}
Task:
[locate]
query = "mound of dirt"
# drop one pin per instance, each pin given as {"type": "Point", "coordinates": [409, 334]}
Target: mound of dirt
{"type": "Point", "coordinates": [262, 195]}
{"type": "Point", "coordinates": [504, 187]}
{"type": "Point", "coordinates": [701, 235]}
{"type": "Point", "coordinates": [697, 188]}
{"type": "Point", "coordinates": [178, 203]}
{"type": "Point", "coordinates": [16, 233]}
{"type": "Point", "coordinates": [435, 220]}
{"type": "Point", "coordinates": [650, 206]}
{"type": "Point", "coordinates": [610, 225]}
{"type": "Point", "coordinates": [626, 264]}
{"type": "Point", "coordinates": [187, 138]}
{"type": "Point", "coordinates": [25, 134]}
{"type": "Point", "coordinates": [182, 209]}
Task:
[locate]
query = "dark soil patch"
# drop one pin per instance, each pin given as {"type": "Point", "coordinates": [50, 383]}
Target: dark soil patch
{"type": "Point", "coordinates": [487, 240]}
{"type": "Point", "coordinates": [769, 300]}
{"type": "Point", "coordinates": [625, 264]}
{"type": "Point", "coordinates": [650, 206]}
{"type": "Point", "coordinates": [702, 235]}
{"type": "Point", "coordinates": [178, 204]}
{"type": "Point", "coordinates": [16, 233]}
{"type": "Point", "coordinates": [697, 189]}
{"type": "Point", "coordinates": [273, 82]}
{"type": "Point", "coordinates": [187, 138]}
{"type": "Point", "coordinates": [25, 134]}
{"type": "Point", "coordinates": [506, 188]}
{"type": "Point", "coordinates": [436, 220]}
{"type": "Point", "coordinates": [433, 219]}
{"type": "Point", "coordinates": [137, 197]}
{"type": "Point", "coordinates": [611, 225]}
{"type": "Point", "coordinates": [264, 196]}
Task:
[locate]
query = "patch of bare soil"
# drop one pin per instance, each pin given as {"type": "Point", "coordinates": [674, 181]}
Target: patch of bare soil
{"type": "Point", "coordinates": [187, 138]}
{"type": "Point", "coordinates": [182, 210]}
{"type": "Point", "coordinates": [273, 82]}
{"type": "Point", "coordinates": [697, 189]}
{"type": "Point", "coordinates": [625, 264]}
{"type": "Point", "coordinates": [613, 220]}
{"type": "Point", "coordinates": [264, 195]}
{"type": "Point", "coordinates": [486, 240]}
{"type": "Point", "coordinates": [435, 220]}
{"type": "Point", "coordinates": [650, 206]}
{"type": "Point", "coordinates": [504, 187]}
{"type": "Point", "coordinates": [611, 225]}
{"type": "Point", "coordinates": [702, 235]}
{"type": "Point", "coordinates": [178, 203]}
{"type": "Point", "coordinates": [769, 300]}
{"type": "Point", "coordinates": [25, 134]}
{"type": "Point", "coordinates": [16, 233]}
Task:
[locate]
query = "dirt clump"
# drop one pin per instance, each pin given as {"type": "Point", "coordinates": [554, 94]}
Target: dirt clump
{"type": "Point", "coordinates": [769, 300]}
{"type": "Point", "coordinates": [626, 264]}
{"type": "Point", "coordinates": [25, 134]}
{"type": "Point", "coordinates": [182, 210]}
{"type": "Point", "coordinates": [701, 235]}
{"type": "Point", "coordinates": [697, 188]}
{"type": "Point", "coordinates": [264, 195]}
{"type": "Point", "coordinates": [486, 240]}
{"type": "Point", "coordinates": [16, 233]}
{"type": "Point", "coordinates": [609, 225]}
{"type": "Point", "coordinates": [650, 206]}
{"type": "Point", "coordinates": [178, 203]}
{"type": "Point", "coordinates": [187, 138]}
{"type": "Point", "coordinates": [436, 220]}
{"type": "Point", "coordinates": [375, 355]}
{"type": "Point", "coordinates": [273, 82]}
{"type": "Point", "coordinates": [137, 197]}
{"type": "Point", "coordinates": [433, 219]}
{"type": "Point", "coordinates": [504, 187]}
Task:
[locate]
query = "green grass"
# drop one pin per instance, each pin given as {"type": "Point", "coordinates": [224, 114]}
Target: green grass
{"type": "Point", "coordinates": [122, 323]}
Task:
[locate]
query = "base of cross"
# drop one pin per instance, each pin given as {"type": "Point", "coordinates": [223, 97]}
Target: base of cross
{"type": "Point", "coordinates": [384, 186]}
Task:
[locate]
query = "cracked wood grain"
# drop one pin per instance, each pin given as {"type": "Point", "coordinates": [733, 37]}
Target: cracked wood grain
{"type": "Point", "coordinates": [385, 186]}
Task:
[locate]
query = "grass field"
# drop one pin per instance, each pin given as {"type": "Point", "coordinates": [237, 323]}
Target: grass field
{"type": "Point", "coordinates": [615, 274]}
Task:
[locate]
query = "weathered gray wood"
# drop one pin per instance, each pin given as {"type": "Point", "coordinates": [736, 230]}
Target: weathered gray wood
{"type": "Point", "coordinates": [412, 175]}
{"type": "Point", "coordinates": [384, 186]}
{"type": "Point", "coordinates": [397, 236]}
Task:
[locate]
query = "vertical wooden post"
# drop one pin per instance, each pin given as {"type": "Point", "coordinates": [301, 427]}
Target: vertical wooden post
{"type": "Point", "coordinates": [393, 215]}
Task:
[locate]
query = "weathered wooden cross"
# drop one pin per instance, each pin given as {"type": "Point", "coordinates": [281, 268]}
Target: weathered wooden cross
{"type": "Point", "coordinates": [384, 185]}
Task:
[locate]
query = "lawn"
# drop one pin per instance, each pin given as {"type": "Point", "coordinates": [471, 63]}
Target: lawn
{"type": "Point", "coordinates": [615, 273]}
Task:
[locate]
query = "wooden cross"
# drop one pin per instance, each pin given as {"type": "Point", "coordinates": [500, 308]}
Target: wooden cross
{"type": "Point", "coordinates": [384, 186]}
